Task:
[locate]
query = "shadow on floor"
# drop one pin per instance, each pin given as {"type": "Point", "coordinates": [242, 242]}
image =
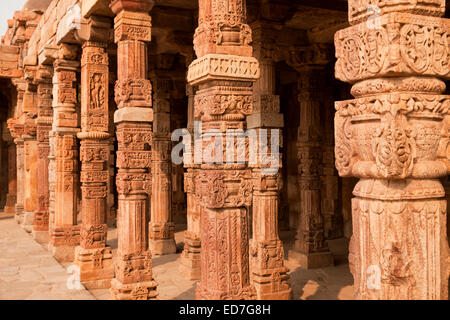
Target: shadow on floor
{"type": "Point", "coordinates": [160, 260]}
{"type": "Point", "coordinates": [187, 295]}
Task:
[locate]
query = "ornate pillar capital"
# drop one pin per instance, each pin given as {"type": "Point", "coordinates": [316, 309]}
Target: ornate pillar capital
{"type": "Point", "coordinates": [222, 28]}
{"type": "Point", "coordinates": [304, 59]}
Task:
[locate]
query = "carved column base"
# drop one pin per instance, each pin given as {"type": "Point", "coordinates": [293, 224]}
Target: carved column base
{"type": "Point", "coordinates": [162, 247]}
{"type": "Point", "coordinates": [134, 291]}
{"type": "Point", "coordinates": [162, 239]}
{"type": "Point", "coordinates": [63, 241]}
{"type": "Point", "coordinates": [18, 213]}
{"type": "Point", "coordinates": [190, 258]}
{"type": "Point", "coordinates": [27, 222]}
{"type": "Point", "coordinates": [312, 260]}
{"type": "Point", "coordinates": [399, 248]}
{"type": "Point", "coordinates": [96, 267]}
{"type": "Point", "coordinates": [268, 273]}
{"type": "Point", "coordinates": [41, 237]}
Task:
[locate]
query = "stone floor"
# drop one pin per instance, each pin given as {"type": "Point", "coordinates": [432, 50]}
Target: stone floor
{"type": "Point", "coordinates": [28, 271]}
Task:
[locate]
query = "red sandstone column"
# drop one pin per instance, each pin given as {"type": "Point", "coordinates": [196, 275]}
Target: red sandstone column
{"type": "Point", "coordinates": [224, 72]}
{"type": "Point", "coordinates": [331, 210]}
{"type": "Point", "coordinates": [133, 92]}
{"type": "Point", "coordinates": [310, 248]}
{"type": "Point", "coordinates": [17, 129]}
{"type": "Point", "coordinates": [190, 257]}
{"type": "Point", "coordinates": [267, 270]}
{"type": "Point", "coordinates": [11, 197]}
{"type": "Point", "coordinates": [161, 227]}
{"type": "Point", "coordinates": [30, 148]}
{"type": "Point", "coordinates": [64, 231]}
{"type": "Point", "coordinates": [394, 137]}
{"type": "Point", "coordinates": [93, 256]}
{"type": "Point", "coordinates": [44, 125]}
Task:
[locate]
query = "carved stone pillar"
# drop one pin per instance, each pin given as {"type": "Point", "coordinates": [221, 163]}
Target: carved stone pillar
{"type": "Point", "coordinates": [17, 129]}
{"type": "Point", "coordinates": [64, 231]}
{"type": "Point", "coordinates": [161, 227]}
{"type": "Point", "coordinates": [331, 211]}
{"type": "Point", "coordinates": [267, 270]}
{"type": "Point", "coordinates": [133, 92]}
{"type": "Point", "coordinates": [11, 197]}
{"type": "Point", "coordinates": [43, 127]}
{"type": "Point", "coordinates": [20, 176]}
{"type": "Point", "coordinates": [190, 257]}
{"type": "Point", "coordinates": [30, 176]}
{"type": "Point", "coordinates": [310, 248]}
{"type": "Point", "coordinates": [29, 114]}
{"type": "Point", "coordinates": [224, 73]}
{"type": "Point", "coordinates": [93, 256]}
{"type": "Point", "coordinates": [394, 137]}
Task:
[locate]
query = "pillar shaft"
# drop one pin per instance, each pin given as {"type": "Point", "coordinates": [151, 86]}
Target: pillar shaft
{"type": "Point", "coordinates": [43, 128]}
{"type": "Point", "coordinates": [190, 257]}
{"type": "Point", "coordinates": [161, 228]}
{"type": "Point", "coordinates": [64, 231]}
{"type": "Point", "coordinates": [93, 256]}
{"type": "Point", "coordinates": [393, 136]}
{"type": "Point", "coordinates": [268, 273]}
{"type": "Point", "coordinates": [223, 100]}
{"type": "Point", "coordinates": [310, 248]}
{"type": "Point", "coordinates": [133, 95]}
{"type": "Point", "coordinates": [11, 197]}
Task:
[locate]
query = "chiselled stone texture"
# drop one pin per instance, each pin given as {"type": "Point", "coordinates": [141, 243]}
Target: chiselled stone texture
{"type": "Point", "coordinates": [190, 260]}
{"type": "Point", "coordinates": [393, 136]}
{"type": "Point", "coordinates": [359, 10]}
{"type": "Point", "coordinates": [310, 248]}
{"type": "Point", "coordinates": [133, 95]}
{"type": "Point", "coordinates": [267, 270]}
{"type": "Point", "coordinates": [224, 73]}
{"type": "Point", "coordinates": [222, 28]}
{"type": "Point", "coordinates": [161, 227]}
{"type": "Point", "coordinates": [44, 125]}
{"type": "Point", "coordinates": [93, 256]}
{"type": "Point", "coordinates": [402, 44]}
{"type": "Point", "coordinates": [64, 231]}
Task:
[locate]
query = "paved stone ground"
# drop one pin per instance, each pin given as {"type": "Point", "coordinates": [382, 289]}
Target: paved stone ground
{"type": "Point", "coordinates": [28, 271]}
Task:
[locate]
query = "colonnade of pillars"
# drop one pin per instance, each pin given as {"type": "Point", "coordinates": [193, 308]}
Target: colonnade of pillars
{"type": "Point", "coordinates": [391, 137]}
